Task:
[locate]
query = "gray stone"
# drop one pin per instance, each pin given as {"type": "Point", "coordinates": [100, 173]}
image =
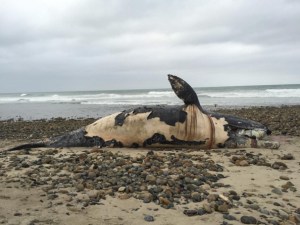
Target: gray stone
{"type": "Point", "coordinates": [248, 220]}
{"type": "Point", "coordinates": [196, 197]}
{"type": "Point", "coordinates": [284, 177]}
{"type": "Point", "coordinates": [149, 218]}
{"type": "Point", "coordinates": [283, 214]}
{"type": "Point", "coordinates": [277, 191]}
{"type": "Point", "coordinates": [264, 211]}
{"type": "Point", "coordinates": [254, 206]}
{"type": "Point", "coordinates": [229, 217]}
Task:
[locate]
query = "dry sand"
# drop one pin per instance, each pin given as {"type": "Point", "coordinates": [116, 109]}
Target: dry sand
{"type": "Point", "coordinates": [31, 205]}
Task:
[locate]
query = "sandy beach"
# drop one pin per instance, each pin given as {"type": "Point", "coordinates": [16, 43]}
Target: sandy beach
{"type": "Point", "coordinates": [156, 186]}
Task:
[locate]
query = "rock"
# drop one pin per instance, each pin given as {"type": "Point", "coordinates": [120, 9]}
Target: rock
{"type": "Point", "coordinates": [166, 203]}
{"type": "Point", "coordinates": [297, 218]}
{"type": "Point", "coordinates": [193, 212]}
{"type": "Point", "coordinates": [207, 208]}
{"type": "Point", "coordinates": [205, 187]}
{"type": "Point", "coordinates": [146, 197]}
{"type": "Point", "coordinates": [288, 156]}
{"type": "Point", "coordinates": [151, 179]}
{"type": "Point", "coordinates": [149, 218]}
{"type": "Point", "coordinates": [243, 163]}
{"type": "Point", "coordinates": [284, 177]}
{"type": "Point", "coordinates": [276, 204]}
{"type": "Point", "coordinates": [287, 185]}
{"type": "Point", "coordinates": [293, 189]}
{"type": "Point", "coordinates": [121, 189]}
{"type": "Point", "coordinates": [274, 222]}
{"type": "Point", "coordinates": [212, 197]}
{"type": "Point", "coordinates": [279, 166]}
{"type": "Point", "coordinates": [124, 196]}
{"type": "Point", "coordinates": [201, 212]}
{"type": "Point", "coordinates": [254, 206]}
{"type": "Point", "coordinates": [283, 214]}
{"type": "Point", "coordinates": [277, 191]}
{"type": "Point", "coordinates": [79, 187]}
{"type": "Point", "coordinates": [229, 217]}
{"type": "Point", "coordinates": [160, 181]}
{"type": "Point", "coordinates": [190, 212]}
{"type": "Point", "coordinates": [248, 220]}
{"type": "Point", "coordinates": [264, 211]}
{"type": "Point", "coordinates": [223, 208]}
{"type": "Point", "coordinates": [196, 197]}
{"type": "Point", "coordinates": [91, 175]}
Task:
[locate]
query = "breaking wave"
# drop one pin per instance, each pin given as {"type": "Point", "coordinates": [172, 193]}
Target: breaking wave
{"type": "Point", "coordinates": [220, 95]}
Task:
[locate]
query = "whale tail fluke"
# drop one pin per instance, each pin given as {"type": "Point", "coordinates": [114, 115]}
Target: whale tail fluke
{"type": "Point", "coordinates": [184, 91]}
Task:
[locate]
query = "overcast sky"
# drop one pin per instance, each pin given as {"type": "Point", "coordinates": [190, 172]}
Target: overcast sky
{"type": "Point", "coordinates": [52, 45]}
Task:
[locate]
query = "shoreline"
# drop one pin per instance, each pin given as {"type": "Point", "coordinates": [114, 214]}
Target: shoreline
{"type": "Point", "coordinates": [37, 111]}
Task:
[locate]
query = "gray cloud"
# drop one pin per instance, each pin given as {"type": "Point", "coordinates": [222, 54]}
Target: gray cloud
{"type": "Point", "coordinates": [120, 44]}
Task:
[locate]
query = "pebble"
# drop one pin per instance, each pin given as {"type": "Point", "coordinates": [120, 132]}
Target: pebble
{"type": "Point", "coordinates": [212, 197]}
{"type": "Point", "coordinates": [284, 177]}
{"type": "Point", "coordinates": [79, 187]}
{"type": "Point", "coordinates": [146, 197]}
{"type": "Point", "coordinates": [264, 211]}
{"type": "Point", "coordinates": [248, 220]}
{"type": "Point", "coordinates": [223, 208]}
{"type": "Point", "coordinates": [288, 156]}
{"type": "Point", "coordinates": [207, 208]}
{"type": "Point", "coordinates": [283, 214]}
{"type": "Point", "coordinates": [279, 166]}
{"type": "Point", "coordinates": [297, 218]}
{"type": "Point", "coordinates": [277, 191]}
{"type": "Point", "coordinates": [243, 163]}
{"type": "Point", "coordinates": [229, 217]}
{"type": "Point", "coordinates": [287, 185]}
{"type": "Point", "coordinates": [121, 189]}
{"type": "Point", "coordinates": [274, 222]}
{"type": "Point", "coordinates": [253, 206]}
{"type": "Point", "coordinates": [196, 196]}
{"type": "Point", "coordinates": [151, 179]}
{"type": "Point", "coordinates": [165, 202]}
{"type": "Point", "coordinates": [149, 218]}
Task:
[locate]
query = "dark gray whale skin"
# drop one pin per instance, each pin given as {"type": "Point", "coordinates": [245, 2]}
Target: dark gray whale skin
{"type": "Point", "coordinates": [240, 131]}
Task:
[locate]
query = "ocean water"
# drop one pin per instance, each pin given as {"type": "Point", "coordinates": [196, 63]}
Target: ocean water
{"type": "Point", "coordinates": [37, 105]}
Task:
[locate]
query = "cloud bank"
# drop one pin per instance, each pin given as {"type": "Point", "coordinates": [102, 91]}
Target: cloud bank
{"type": "Point", "coordinates": [123, 44]}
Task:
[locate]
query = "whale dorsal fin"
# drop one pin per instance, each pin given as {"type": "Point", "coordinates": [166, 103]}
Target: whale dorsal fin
{"type": "Point", "coordinates": [184, 91]}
